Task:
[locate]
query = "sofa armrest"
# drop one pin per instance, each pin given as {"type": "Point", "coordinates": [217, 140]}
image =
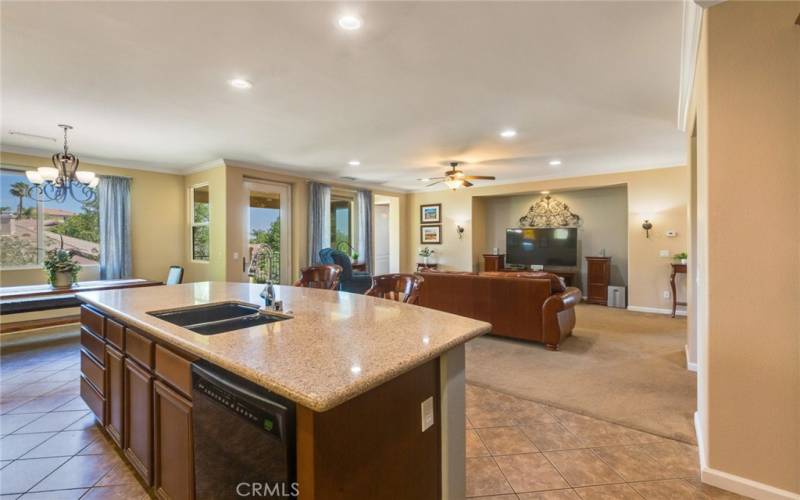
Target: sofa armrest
{"type": "Point", "coordinates": [571, 296]}
{"type": "Point", "coordinates": [558, 316]}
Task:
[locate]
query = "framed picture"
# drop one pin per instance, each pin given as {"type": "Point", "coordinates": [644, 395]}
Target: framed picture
{"type": "Point", "coordinates": [430, 214]}
{"type": "Point", "coordinates": [430, 235]}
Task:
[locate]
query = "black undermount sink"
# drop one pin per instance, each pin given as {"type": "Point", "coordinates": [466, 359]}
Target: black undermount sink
{"type": "Point", "coordinates": [218, 318]}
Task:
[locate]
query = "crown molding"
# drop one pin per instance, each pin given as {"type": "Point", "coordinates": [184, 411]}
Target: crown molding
{"type": "Point", "coordinates": [42, 153]}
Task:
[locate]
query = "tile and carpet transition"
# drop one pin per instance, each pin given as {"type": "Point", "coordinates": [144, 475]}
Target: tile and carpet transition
{"type": "Point", "coordinates": [624, 367]}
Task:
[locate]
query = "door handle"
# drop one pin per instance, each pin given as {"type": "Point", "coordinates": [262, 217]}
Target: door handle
{"type": "Point", "coordinates": [244, 264]}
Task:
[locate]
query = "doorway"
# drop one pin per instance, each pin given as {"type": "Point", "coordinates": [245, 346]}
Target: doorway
{"type": "Point", "coordinates": [267, 244]}
{"type": "Point", "coordinates": [386, 220]}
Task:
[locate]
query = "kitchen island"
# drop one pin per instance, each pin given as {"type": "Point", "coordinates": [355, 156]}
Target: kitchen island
{"type": "Point", "coordinates": [363, 374]}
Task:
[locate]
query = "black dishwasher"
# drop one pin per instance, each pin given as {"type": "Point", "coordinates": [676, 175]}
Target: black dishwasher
{"type": "Point", "coordinates": [244, 437]}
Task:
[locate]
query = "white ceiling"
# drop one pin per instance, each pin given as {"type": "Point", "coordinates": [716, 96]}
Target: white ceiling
{"type": "Point", "coordinates": [594, 84]}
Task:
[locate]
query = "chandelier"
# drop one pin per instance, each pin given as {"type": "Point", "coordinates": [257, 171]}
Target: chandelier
{"type": "Point", "coordinates": [63, 178]}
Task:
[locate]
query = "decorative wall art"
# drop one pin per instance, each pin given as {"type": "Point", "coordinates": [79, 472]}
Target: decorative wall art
{"type": "Point", "coordinates": [549, 212]}
{"type": "Point", "coordinates": [430, 214]}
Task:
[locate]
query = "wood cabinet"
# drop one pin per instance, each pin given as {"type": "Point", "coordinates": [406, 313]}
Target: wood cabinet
{"type": "Point", "coordinates": [174, 454]}
{"type": "Point", "coordinates": [115, 395]}
{"type": "Point", "coordinates": [140, 393]}
{"type": "Point", "coordinates": [139, 419]}
{"type": "Point", "coordinates": [598, 275]}
{"type": "Point", "coordinates": [492, 262]}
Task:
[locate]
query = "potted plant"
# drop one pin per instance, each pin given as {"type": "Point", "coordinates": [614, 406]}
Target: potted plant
{"type": "Point", "coordinates": [425, 253]}
{"type": "Point", "coordinates": [681, 257]}
{"type": "Point", "coordinates": [62, 271]}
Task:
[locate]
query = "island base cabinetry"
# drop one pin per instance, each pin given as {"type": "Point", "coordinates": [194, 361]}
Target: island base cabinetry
{"type": "Point", "coordinates": [379, 445]}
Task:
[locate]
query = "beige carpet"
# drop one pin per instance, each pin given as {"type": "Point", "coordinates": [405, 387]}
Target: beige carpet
{"type": "Point", "coordinates": [624, 367]}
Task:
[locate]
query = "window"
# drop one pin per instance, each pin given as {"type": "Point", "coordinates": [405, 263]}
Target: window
{"type": "Point", "coordinates": [341, 225]}
{"type": "Point", "coordinates": [28, 228]}
{"type": "Point", "coordinates": [200, 218]}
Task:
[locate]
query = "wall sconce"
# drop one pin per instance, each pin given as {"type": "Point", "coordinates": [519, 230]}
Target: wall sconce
{"type": "Point", "coordinates": [460, 231]}
{"type": "Point", "coordinates": [647, 226]}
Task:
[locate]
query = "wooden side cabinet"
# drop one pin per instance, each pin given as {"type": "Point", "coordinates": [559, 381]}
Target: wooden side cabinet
{"type": "Point", "coordinates": [174, 453]}
{"type": "Point", "coordinates": [138, 419]}
{"type": "Point", "coordinates": [598, 276]}
{"type": "Point", "coordinates": [492, 262]}
{"type": "Point", "coordinates": [115, 394]}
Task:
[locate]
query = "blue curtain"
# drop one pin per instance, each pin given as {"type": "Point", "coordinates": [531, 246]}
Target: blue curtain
{"type": "Point", "coordinates": [319, 220]}
{"type": "Point", "coordinates": [364, 212]}
{"type": "Point", "coordinates": [114, 194]}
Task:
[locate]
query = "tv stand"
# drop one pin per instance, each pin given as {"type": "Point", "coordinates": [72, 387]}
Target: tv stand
{"type": "Point", "coordinates": [497, 263]}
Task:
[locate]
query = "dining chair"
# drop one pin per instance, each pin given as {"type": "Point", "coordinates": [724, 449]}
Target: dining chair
{"type": "Point", "coordinates": [325, 277]}
{"type": "Point", "coordinates": [175, 275]}
{"type": "Point", "coordinates": [399, 287]}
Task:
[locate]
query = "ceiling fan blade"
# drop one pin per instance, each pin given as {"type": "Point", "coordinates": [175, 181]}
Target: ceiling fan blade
{"type": "Point", "coordinates": [480, 177]}
{"type": "Point", "coordinates": [426, 179]}
{"type": "Point", "coordinates": [433, 184]}
{"type": "Point", "coordinates": [466, 183]}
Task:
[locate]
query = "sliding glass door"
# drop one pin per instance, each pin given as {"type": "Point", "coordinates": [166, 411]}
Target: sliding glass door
{"type": "Point", "coordinates": [268, 237]}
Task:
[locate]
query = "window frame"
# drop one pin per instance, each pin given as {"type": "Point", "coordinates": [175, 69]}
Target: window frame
{"type": "Point", "coordinates": [40, 254]}
{"type": "Point", "coordinates": [193, 224]}
{"type": "Point", "coordinates": [351, 219]}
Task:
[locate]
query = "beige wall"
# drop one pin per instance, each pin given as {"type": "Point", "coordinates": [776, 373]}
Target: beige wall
{"type": "Point", "coordinates": [747, 101]}
{"type": "Point", "coordinates": [659, 194]}
{"type": "Point", "coordinates": [604, 224]}
{"type": "Point", "coordinates": [215, 268]}
{"type": "Point", "coordinates": [157, 220]}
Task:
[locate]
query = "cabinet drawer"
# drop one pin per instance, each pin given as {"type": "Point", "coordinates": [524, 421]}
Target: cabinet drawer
{"type": "Point", "coordinates": [93, 321]}
{"type": "Point", "coordinates": [115, 334]}
{"type": "Point", "coordinates": [139, 347]}
{"type": "Point", "coordinates": [93, 372]}
{"type": "Point", "coordinates": [174, 369]}
{"type": "Point", "coordinates": [93, 345]}
{"type": "Point", "coordinates": [94, 401]}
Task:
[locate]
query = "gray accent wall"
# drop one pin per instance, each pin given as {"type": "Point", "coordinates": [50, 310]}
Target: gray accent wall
{"type": "Point", "coordinates": [604, 224]}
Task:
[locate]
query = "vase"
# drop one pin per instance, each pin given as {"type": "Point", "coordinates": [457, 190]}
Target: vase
{"type": "Point", "coordinates": [425, 260]}
{"type": "Point", "coordinates": [62, 280]}
{"type": "Point", "coordinates": [684, 261]}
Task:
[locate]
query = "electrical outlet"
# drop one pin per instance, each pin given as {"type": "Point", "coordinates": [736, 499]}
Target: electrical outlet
{"type": "Point", "coordinates": [663, 253]}
{"type": "Point", "coordinates": [666, 294]}
{"type": "Point", "coordinates": [427, 413]}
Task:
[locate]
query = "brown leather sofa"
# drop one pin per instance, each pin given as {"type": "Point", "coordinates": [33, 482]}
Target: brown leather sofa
{"type": "Point", "coordinates": [527, 306]}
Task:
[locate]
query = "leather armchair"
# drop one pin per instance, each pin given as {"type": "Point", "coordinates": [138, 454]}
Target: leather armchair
{"type": "Point", "coordinates": [349, 281]}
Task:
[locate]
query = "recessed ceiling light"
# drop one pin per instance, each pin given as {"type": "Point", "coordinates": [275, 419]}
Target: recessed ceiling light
{"type": "Point", "coordinates": [544, 192]}
{"type": "Point", "coordinates": [241, 83]}
{"type": "Point", "coordinates": [554, 163]}
{"type": "Point", "coordinates": [350, 23]}
{"type": "Point", "coordinates": [354, 163]}
{"type": "Point", "coordinates": [508, 133]}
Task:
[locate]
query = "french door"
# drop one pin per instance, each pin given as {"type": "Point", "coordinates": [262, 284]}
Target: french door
{"type": "Point", "coordinates": [267, 241]}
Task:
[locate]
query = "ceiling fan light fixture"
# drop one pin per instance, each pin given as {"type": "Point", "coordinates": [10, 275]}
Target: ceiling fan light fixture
{"type": "Point", "coordinates": [454, 183]}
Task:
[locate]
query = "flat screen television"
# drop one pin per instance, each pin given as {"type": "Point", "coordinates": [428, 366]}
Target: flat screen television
{"type": "Point", "coordinates": [543, 246]}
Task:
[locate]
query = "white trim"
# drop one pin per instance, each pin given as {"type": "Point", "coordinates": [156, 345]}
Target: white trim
{"type": "Point", "coordinates": [734, 483]}
{"type": "Point", "coordinates": [692, 367]}
{"type": "Point", "coordinates": [690, 41]}
{"type": "Point", "coordinates": [657, 310]}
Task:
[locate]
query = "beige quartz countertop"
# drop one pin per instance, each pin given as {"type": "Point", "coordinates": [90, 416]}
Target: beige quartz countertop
{"type": "Point", "coordinates": [338, 345]}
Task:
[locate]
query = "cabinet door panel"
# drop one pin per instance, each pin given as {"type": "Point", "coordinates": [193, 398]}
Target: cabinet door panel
{"type": "Point", "coordinates": [138, 419]}
{"type": "Point", "coordinates": [174, 456]}
{"type": "Point", "coordinates": [115, 395]}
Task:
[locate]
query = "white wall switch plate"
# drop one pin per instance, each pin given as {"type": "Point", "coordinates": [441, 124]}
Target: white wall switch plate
{"type": "Point", "coordinates": [666, 294]}
{"type": "Point", "coordinates": [427, 413]}
{"type": "Point", "coordinates": [235, 255]}
{"type": "Point", "coordinates": [671, 233]}
{"type": "Point", "coordinates": [663, 253]}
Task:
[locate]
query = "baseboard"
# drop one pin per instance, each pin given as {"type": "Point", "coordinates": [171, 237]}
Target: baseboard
{"type": "Point", "coordinates": [731, 482]}
{"type": "Point", "coordinates": [31, 337]}
{"type": "Point", "coordinates": [692, 367]}
{"type": "Point", "coordinates": [656, 310]}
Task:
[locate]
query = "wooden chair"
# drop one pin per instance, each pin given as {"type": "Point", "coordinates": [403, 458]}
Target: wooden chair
{"type": "Point", "coordinates": [399, 287]}
{"type": "Point", "coordinates": [325, 276]}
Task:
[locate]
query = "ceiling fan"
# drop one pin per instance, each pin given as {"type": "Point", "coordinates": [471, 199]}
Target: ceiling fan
{"type": "Point", "coordinates": [455, 178]}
